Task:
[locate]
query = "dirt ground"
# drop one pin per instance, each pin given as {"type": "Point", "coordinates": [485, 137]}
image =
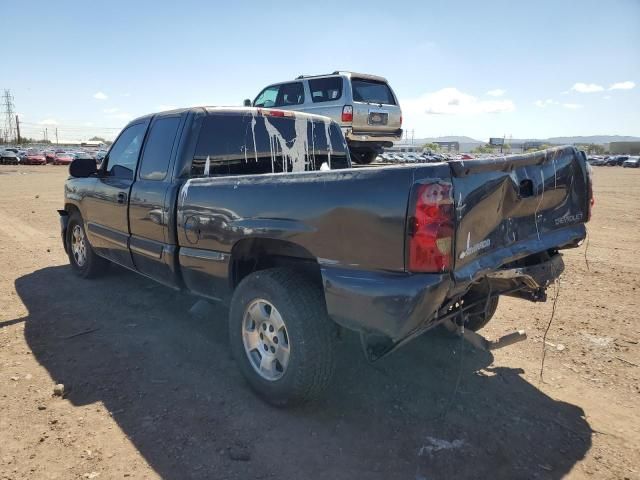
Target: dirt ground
{"type": "Point", "coordinates": [152, 391]}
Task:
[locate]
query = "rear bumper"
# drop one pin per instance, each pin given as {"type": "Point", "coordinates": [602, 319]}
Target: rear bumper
{"type": "Point", "coordinates": [382, 303]}
{"type": "Point", "coordinates": [369, 137]}
{"type": "Point", "coordinates": [397, 306]}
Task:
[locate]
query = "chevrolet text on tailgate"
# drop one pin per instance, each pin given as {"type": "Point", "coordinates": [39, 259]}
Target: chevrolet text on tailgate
{"type": "Point", "coordinates": [260, 208]}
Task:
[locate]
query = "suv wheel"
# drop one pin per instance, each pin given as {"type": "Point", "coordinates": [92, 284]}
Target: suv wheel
{"type": "Point", "coordinates": [281, 337]}
{"type": "Point", "coordinates": [84, 262]}
{"type": "Point", "coordinates": [363, 157]}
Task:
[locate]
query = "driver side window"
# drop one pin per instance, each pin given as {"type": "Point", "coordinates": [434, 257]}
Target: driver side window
{"type": "Point", "coordinates": [123, 156]}
{"type": "Point", "coordinates": [267, 98]}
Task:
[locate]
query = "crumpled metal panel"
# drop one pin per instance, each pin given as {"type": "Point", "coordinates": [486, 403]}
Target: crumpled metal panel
{"type": "Point", "coordinates": [509, 208]}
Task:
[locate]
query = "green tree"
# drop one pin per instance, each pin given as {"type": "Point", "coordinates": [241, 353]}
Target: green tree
{"type": "Point", "coordinates": [97, 139]}
{"type": "Point", "coordinates": [433, 147]}
{"type": "Point", "coordinates": [483, 149]}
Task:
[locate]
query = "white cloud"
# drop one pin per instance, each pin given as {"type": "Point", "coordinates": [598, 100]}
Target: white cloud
{"type": "Point", "coordinates": [586, 87]}
{"type": "Point", "coordinates": [48, 121]}
{"type": "Point", "coordinates": [451, 101]}
{"type": "Point", "coordinates": [163, 107]}
{"type": "Point", "coordinates": [111, 110]}
{"type": "Point", "coordinates": [496, 92]}
{"type": "Point", "coordinates": [545, 103]}
{"type": "Point", "coordinates": [100, 96]}
{"type": "Point", "coordinates": [572, 106]}
{"type": "Point", "coordinates": [628, 85]}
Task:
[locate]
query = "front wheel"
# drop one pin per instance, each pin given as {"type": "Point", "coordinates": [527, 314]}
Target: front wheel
{"type": "Point", "coordinates": [281, 337]}
{"type": "Point", "coordinates": [84, 261]}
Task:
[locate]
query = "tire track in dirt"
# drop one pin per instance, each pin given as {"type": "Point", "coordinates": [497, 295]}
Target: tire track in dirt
{"type": "Point", "coordinates": [19, 232]}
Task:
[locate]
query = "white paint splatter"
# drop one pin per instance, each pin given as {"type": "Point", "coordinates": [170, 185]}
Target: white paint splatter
{"type": "Point", "coordinates": [207, 165]}
{"type": "Point", "coordinates": [299, 149]}
{"type": "Point", "coordinates": [437, 444]}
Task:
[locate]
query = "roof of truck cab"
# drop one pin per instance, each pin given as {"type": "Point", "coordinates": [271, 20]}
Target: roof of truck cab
{"type": "Point", "coordinates": [231, 110]}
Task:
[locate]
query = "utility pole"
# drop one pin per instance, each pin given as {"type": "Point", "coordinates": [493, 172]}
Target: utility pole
{"type": "Point", "coordinates": [56, 135]}
{"type": "Point", "coordinates": [18, 128]}
{"type": "Point", "coordinates": [46, 134]}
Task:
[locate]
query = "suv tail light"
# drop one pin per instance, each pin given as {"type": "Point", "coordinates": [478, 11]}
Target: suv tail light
{"type": "Point", "coordinates": [347, 113]}
{"type": "Point", "coordinates": [400, 120]}
{"type": "Point", "coordinates": [430, 229]}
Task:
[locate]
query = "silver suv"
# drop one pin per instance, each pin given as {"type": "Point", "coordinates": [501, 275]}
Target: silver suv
{"type": "Point", "coordinates": [363, 105]}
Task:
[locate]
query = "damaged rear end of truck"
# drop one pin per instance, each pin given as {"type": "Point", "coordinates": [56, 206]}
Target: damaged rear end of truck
{"type": "Point", "coordinates": [495, 227]}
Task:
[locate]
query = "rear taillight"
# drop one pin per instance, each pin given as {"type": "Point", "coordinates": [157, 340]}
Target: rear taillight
{"type": "Point", "coordinates": [431, 229]}
{"type": "Point", "coordinates": [347, 113]}
{"type": "Point", "coordinates": [400, 120]}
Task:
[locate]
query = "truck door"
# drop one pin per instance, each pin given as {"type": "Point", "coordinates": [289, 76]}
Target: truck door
{"type": "Point", "coordinates": [151, 202]}
{"type": "Point", "coordinates": [106, 205]}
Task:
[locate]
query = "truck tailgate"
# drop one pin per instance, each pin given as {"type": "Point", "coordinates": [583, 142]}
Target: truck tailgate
{"type": "Point", "coordinates": [511, 207]}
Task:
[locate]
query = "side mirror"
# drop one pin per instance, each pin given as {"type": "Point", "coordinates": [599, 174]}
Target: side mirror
{"type": "Point", "coordinates": [82, 168]}
{"type": "Point", "coordinates": [247, 102]}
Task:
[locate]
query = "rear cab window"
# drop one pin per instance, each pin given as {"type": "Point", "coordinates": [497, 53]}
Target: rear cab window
{"type": "Point", "coordinates": [325, 89]}
{"type": "Point", "coordinates": [247, 144]}
{"type": "Point", "coordinates": [158, 148]}
{"type": "Point", "coordinates": [371, 91]}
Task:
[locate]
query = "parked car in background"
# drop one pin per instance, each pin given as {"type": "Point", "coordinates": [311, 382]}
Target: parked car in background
{"type": "Point", "coordinates": [49, 155]}
{"type": "Point", "coordinates": [63, 158]}
{"type": "Point", "coordinates": [631, 163]}
{"type": "Point", "coordinates": [34, 157]}
{"type": "Point", "coordinates": [9, 157]}
{"type": "Point", "coordinates": [363, 105]}
{"type": "Point", "coordinates": [596, 161]}
{"type": "Point", "coordinates": [83, 155]}
{"type": "Point", "coordinates": [616, 161]}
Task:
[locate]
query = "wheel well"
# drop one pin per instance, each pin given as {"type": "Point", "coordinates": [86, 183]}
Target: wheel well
{"type": "Point", "coordinates": [253, 254]}
{"type": "Point", "coordinates": [71, 208]}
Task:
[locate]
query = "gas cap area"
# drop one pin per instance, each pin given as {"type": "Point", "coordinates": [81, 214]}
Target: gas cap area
{"type": "Point", "coordinates": [192, 229]}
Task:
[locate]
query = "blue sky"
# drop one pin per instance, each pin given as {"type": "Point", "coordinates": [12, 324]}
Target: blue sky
{"type": "Point", "coordinates": [527, 69]}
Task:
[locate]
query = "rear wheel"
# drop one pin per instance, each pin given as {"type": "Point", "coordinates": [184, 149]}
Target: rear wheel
{"type": "Point", "coordinates": [363, 157]}
{"type": "Point", "coordinates": [479, 316]}
{"type": "Point", "coordinates": [84, 261]}
{"type": "Point", "coordinates": [281, 337]}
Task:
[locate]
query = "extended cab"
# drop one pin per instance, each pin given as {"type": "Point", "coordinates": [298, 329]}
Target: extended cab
{"type": "Point", "coordinates": [261, 209]}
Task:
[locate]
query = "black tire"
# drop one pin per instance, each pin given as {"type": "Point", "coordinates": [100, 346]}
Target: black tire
{"type": "Point", "coordinates": [363, 157]}
{"type": "Point", "coordinates": [478, 318]}
{"type": "Point", "coordinates": [310, 335]}
{"type": "Point", "coordinates": [93, 265]}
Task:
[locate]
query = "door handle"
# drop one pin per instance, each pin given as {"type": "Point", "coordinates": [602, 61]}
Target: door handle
{"type": "Point", "coordinates": [122, 197]}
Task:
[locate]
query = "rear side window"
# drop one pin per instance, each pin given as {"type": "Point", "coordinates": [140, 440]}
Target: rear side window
{"type": "Point", "coordinates": [325, 89]}
{"type": "Point", "coordinates": [157, 151]}
{"type": "Point", "coordinates": [371, 91]}
{"type": "Point", "coordinates": [290, 94]}
{"type": "Point", "coordinates": [255, 144]}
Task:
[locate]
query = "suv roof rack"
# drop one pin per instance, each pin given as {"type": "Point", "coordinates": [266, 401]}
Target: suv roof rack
{"type": "Point", "coordinates": [346, 72]}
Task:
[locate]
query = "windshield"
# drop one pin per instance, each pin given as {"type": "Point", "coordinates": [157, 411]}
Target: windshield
{"type": "Point", "coordinates": [372, 91]}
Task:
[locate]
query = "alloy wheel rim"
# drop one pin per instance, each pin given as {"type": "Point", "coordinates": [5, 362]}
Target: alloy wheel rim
{"type": "Point", "coordinates": [265, 339]}
{"type": "Point", "coordinates": [78, 245]}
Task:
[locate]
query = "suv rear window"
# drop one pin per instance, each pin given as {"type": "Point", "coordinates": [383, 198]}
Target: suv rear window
{"type": "Point", "coordinates": [325, 89]}
{"type": "Point", "coordinates": [371, 91]}
{"type": "Point", "coordinates": [226, 146]}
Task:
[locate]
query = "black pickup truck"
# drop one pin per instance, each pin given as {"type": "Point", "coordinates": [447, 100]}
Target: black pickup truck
{"type": "Point", "coordinates": [260, 208]}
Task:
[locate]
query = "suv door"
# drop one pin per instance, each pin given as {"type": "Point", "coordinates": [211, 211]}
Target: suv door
{"type": "Point", "coordinates": [105, 206]}
{"type": "Point", "coordinates": [149, 206]}
{"type": "Point", "coordinates": [327, 97]}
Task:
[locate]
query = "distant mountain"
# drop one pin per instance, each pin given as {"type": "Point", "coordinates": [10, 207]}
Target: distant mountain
{"type": "Point", "coordinates": [601, 139]}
